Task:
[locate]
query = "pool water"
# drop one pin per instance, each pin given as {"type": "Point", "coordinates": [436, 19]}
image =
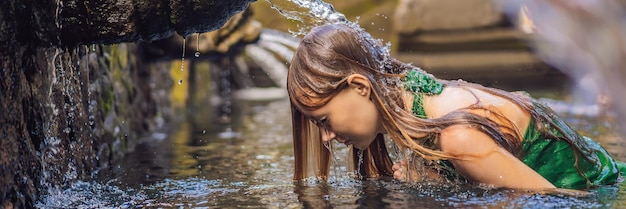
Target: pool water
{"type": "Point", "coordinates": [246, 161]}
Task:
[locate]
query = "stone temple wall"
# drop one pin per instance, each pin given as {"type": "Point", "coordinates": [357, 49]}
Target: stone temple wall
{"type": "Point", "coordinates": [74, 94]}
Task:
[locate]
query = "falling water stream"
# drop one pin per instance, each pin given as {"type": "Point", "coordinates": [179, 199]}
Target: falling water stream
{"type": "Point", "coordinates": [247, 162]}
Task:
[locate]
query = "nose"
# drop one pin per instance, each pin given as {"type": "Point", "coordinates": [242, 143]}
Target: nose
{"type": "Point", "coordinates": [327, 135]}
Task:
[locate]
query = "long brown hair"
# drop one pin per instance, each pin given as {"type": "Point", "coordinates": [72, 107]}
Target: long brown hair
{"type": "Point", "coordinates": [330, 53]}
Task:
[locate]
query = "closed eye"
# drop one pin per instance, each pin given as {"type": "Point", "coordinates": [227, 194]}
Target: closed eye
{"type": "Point", "coordinates": [322, 123]}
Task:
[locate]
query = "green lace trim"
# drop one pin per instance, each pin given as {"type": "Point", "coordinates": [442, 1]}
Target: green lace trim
{"type": "Point", "coordinates": [420, 83]}
{"type": "Point", "coordinates": [416, 81]}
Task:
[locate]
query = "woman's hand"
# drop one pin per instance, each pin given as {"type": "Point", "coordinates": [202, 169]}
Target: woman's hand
{"type": "Point", "coordinates": [398, 171]}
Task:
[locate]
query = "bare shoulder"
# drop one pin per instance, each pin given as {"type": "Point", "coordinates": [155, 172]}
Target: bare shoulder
{"type": "Point", "coordinates": [454, 98]}
{"type": "Point", "coordinates": [451, 99]}
{"type": "Point", "coordinates": [463, 140]}
{"type": "Point", "coordinates": [478, 158]}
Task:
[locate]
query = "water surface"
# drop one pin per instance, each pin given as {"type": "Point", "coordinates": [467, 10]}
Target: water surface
{"type": "Point", "coordinates": [246, 161]}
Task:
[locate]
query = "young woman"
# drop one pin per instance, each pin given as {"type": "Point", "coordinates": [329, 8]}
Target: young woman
{"type": "Point", "coordinates": [345, 86]}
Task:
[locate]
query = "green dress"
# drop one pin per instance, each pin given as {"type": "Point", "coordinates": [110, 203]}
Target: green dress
{"type": "Point", "coordinates": [555, 160]}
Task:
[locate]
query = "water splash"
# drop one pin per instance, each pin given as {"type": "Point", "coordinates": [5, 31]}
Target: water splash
{"type": "Point", "coordinates": [83, 194]}
{"type": "Point", "coordinates": [313, 13]}
{"type": "Point", "coordinates": [310, 13]}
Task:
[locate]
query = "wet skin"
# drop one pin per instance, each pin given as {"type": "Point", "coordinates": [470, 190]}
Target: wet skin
{"type": "Point", "coordinates": [350, 117]}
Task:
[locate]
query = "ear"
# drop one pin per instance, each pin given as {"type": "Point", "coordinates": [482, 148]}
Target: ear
{"type": "Point", "coordinates": [360, 83]}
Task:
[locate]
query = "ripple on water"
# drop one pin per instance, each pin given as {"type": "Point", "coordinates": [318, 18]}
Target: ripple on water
{"type": "Point", "coordinates": [83, 194]}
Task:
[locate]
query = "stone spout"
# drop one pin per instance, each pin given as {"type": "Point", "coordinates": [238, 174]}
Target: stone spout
{"type": "Point", "coordinates": [71, 22]}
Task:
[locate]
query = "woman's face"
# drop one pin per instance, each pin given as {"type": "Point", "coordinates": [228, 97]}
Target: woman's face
{"type": "Point", "coordinates": [350, 117]}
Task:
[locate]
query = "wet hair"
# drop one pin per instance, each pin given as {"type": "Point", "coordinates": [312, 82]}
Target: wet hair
{"type": "Point", "coordinates": [318, 71]}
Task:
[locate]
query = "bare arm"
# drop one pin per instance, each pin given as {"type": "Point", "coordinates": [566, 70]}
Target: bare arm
{"type": "Point", "coordinates": [483, 161]}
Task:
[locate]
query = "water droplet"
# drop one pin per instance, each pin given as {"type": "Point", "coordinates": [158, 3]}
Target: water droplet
{"type": "Point", "coordinates": [203, 131]}
{"type": "Point", "coordinates": [182, 60]}
{"type": "Point", "coordinates": [180, 81]}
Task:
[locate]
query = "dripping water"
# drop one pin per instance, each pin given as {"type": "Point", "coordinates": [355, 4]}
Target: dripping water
{"type": "Point", "coordinates": [360, 153]}
{"type": "Point", "coordinates": [408, 159]}
{"type": "Point", "coordinates": [50, 147]}
{"type": "Point", "coordinates": [334, 161]}
{"type": "Point", "coordinates": [197, 54]}
{"type": "Point", "coordinates": [182, 59]}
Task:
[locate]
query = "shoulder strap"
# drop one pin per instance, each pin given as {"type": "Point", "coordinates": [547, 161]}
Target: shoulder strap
{"type": "Point", "coordinates": [418, 107]}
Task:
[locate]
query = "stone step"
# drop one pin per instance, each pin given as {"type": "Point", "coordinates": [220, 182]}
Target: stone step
{"type": "Point", "coordinates": [431, 15]}
{"type": "Point", "coordinates": [465, 40]}
{"type": "Point", "coordinates": [482, 66]}
{"type": "Point", "coordinates": [469, 60]}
